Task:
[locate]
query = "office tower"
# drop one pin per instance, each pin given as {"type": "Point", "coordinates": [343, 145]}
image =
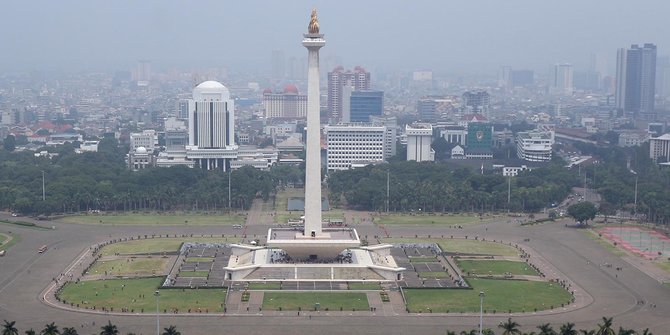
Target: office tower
{"type": "Point", "coordinates": [636, 81]}
{"type": "Point", "coordinates": [505, 77]}
{"type": "Point", "coordinates": [278, 65]}
{"type": "Point", "coordinates": [419, 140]}
{"type": "Point", "coordinates": [355, 145]}
{"type": "Point", "coordinates": [391, 124]}
{"type": "Point", "coordinates": [359, 79]}
{"type": "Point", "coordinates": [182, 109]}
{"type": "Point", "coordinates": [289, 104]}
{"type": "Point", "coordinates": [523, 78]}
{"type": "Point", "coordinates": [663, 76]}
{"type": "Point", "coordinates": [561, 80]}
{"type": "Point", "coordinates": [211, 129]}
{"type": "Point", "coordinates": [476, 102]}
{"type": "Point", "coordinates": [364, 104]}
{"type": "Point", "coordinates": [143, 73]}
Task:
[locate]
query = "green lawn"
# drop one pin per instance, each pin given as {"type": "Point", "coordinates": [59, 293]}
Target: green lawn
{"type": "Point", "coordinates": [265, 286]}
{"type": "Point", "coordinates": [364, 286]}
{"type": "Point", "coordinates": [194, 274]}
{"type": "Point", "coordinates": [281, 199]}
{"type": "Point", "coordinates": [138, 294]}
{"type": "Point", "coordinates": [423, 219]}
{"type": "Point", "coordinates": [306, 301]}
{"type": "Point", "coordinates": [156, 245]}
{"type": "Point", "coordinates": [603, 242]}
{"type": "Point", "coordinates": [665, 266]}
{"type": "Point", "coordinates": [667, 284]}
{"type": "Point", "coordinates": [199, 259]}
{"type": "Point", "coordinates": [462, 246]}
{"type": "Point", "coordinates": [157, 219]}
{"type": "Point", "coordinates": [443, 274]}
{"type": "Point", "coordinates": [501, 295]}
{"type": "Point", "coordinates": [495, 267]}
{"type": "Point", "coordinates": [130, 267]}
{"type": "Point", "coordinates": [6, 242]}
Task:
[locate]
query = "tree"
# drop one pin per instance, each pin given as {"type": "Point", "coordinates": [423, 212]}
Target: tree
{"type": "Point", "coordinates": [606, 327]}
{"type": "Point", "coordinates": [587, 332]}
{"type": "Point", "coordinates": [9, 329]}
{"type": "Point", "coordinates": [109, 329]}
{"type": "Point", "coordinates": [568, 329]}
{"type": "Point", "coordinates": [582, 212]}
{"type": "Point", "coordinates": [69, 331]}
{"type": "Point", "coordinates": [9, 144]}
{"type": "Point", "coordinates": [171, 330]}
{"type": "Point", "coordinates": [50, 329]}
{"type": "Point", "coordinates": [30, 332]}
{"type": "Point", "coordinates": [510, 327]}
{"type": "Point", "coordinates": [546, 329]}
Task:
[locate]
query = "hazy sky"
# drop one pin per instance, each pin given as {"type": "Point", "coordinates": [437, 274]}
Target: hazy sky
{"type": "Point", "coordinates": [442, 35]}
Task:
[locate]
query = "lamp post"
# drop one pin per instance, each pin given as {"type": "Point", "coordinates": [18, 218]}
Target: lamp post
{"type": "Point", "coordinates": [158, 321]}
{"type": "Point", "coordinates": [481, 311]}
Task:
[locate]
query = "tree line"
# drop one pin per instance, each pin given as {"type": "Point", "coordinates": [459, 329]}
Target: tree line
{"type": "Point", "coordinates": [431, 187]}
{"type": "Point", "coordinates": [508, 327]}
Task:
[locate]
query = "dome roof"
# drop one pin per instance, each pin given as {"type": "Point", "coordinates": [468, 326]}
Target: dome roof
{"type": "Point", "coordinates": [290, 88]}
{"type": "Point", "coordinates": [267, 91]}
{"type": "Point", "coordinates": [211, 84]}
{"type": "Point", "coordinates": [141, 150]}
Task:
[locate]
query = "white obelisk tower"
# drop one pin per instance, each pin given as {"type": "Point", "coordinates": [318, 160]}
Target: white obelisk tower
{"type": "Point", "coordinates": [313, 41]}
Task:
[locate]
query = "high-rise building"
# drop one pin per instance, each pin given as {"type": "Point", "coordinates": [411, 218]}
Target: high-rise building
{"type": "Point", "coordinates": [351, 145]}
{"type": "Point", "coordinates": [364, 104]}
{"type": "Point", "coordinates": [278, 65]}
{"type": "Point", "coordinates": [359, 79]}
{"type": "Point", "coordinates": [663, 76]}
{"type": "Point", "coordinates": [561, 80]}
{"type": "Point", "coordinates": [143, 73]}
{"type": "Point", "coordinates": [534, 146]}
{"type": "Point", "coordinates": [391, 124]}
{"type": "Point", "coordinates": [289, 104]}
{"type": "Point", "coordinates": [211, 123]}
{"type": "Point", "coordinates": [523, 78]}
{"type": "Point", "coordinates": [147, 139]}
{"type": "Point", "coordinates": [476, 102]}
{"type": "Point", "coordinates": [659, 148]}
{"type": "Point", "coordinates": [419, 140]}
{"type": "Point", "coordinates": [636, 81]}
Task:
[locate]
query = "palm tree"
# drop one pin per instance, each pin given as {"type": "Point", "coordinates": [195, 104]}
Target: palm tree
{"type": "Point", "coordinates": [545, 329]}
{"type": "Point", "coordinates": [646, 332]}
{"type": "Point", "coordinates": [568, 329]}
{"type": "Point", "coordinates": [50, 329]}
{"type": "Point", "coordinates": [172, 330]}
{"type": "Point", "coordinates": [587, 332]}
{"type": "Point", "coordinates": [69, 331]}
{"type": "Point", "coordinates": [449, 332]}
{"type": "Point", "coordinates": [30, 332]}
{"type": "Point", "coordinates": [471, 332]}
{"type": "Point", "coordinates": [626, 331]}
{"type": "Point", "coordinates": [606, 327]}
{"type": "Point", "coordinates": [510, 327]}
{"type": "Point", "coordinates": [109, 329]}
{"type": "Point", "coordinates": [9, 329]}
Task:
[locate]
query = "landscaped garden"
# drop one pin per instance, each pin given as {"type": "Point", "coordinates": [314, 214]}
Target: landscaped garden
{"type": "Point", "coordinates": [307, 301]}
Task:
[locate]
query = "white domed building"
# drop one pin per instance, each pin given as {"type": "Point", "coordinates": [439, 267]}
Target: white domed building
{"type": "Point", "coordinates": [211, 124]}
{"type": "Point", "coordinates": [140, 159]}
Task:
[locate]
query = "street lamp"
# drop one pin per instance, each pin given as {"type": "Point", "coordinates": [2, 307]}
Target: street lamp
{"type": "Point", "coordinates": [481, 311]}
{"type": "Point", "coordinates": [635, 208]}
{"type": "Point", "coordinates": [158, 321]}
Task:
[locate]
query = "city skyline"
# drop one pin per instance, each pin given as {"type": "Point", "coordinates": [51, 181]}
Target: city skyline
{"type": "Point", "coordinates": [114, 36]}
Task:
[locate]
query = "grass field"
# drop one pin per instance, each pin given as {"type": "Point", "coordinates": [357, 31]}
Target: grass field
{"type": "Point", "coordinates": [501, 295]}
{"type": "Point", "coordinates": [138, 294]}
{"type": "Point", "coordinates": [495, 267]}
{"type": "Point", "coordinates": [7, 240]}
{"type": "Point", "coordinates": [462, 246]}
{"type": "Point", "coordinates": [130, 267]}
{"type": "Point", "coordinates": [665, 266]}
{"type": "Point", "coordinates": [442, 274]}
{"type": "Point", "coordinates": [423, 219]}
{"type": "Point", "coordinates": [194, 274]}
{"type": "Point", "coordinates": [364, 286]}
{"type": "Point", "coordinates": [157, 219]}
{"type": "Point", "coordinates": [199, 259]}
{"type": "Point", "coordinates": [156, 245]}
{"type": "Point", "coordinates": [306, 301]}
